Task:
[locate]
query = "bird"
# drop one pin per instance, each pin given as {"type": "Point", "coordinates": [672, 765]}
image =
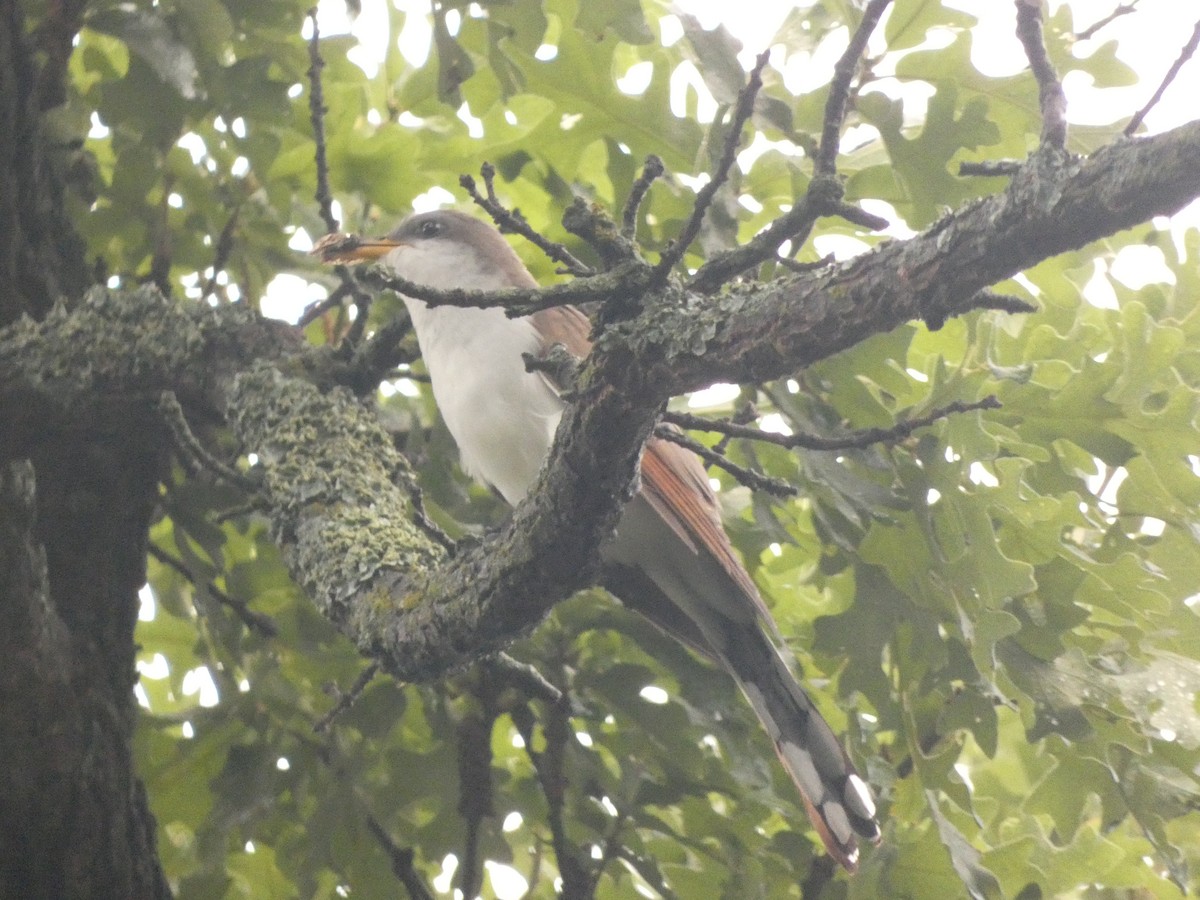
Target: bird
{"type": "Point", "coordinates": [669, 557]}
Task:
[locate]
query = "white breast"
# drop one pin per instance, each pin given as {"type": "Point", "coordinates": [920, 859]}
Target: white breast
{"type": "Point", "coordinates": [502, 417]}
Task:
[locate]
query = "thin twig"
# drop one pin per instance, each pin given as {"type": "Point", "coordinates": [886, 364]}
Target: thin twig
{"type": "Point", "coordinates": [652, 170]}
{"type": "Point", "coordinates": [318, 309]}
{"type": "Point", "coordinates": [317, 110]}
{"type": "Point", "coordinates": [856, 216]}
{"type": "Point", "coordinates": [858, 440]}
{"type": "Point", "coordinates": [1188, 51]}
{"type": "Point", "coordinates": [421, 517]}
{"type": "Point", "coordinates": [1051, 98]}
{"type": "Point", "coordinates": [532, 682]}
{"type": "Point", "coordinates": [347, 699]}
{"type": "Point", "coordinates": [756, 481]}
{"type": "Point", "coordinates": [990, 168]}
{"type": "Point", "coordinates": [742, 111]}
{"type": "Point", "coordinates": [628, 279]}
{"type": "Point", "coordinates": [513, 222]}
{"type": "Point", "coordinates": [839, 88]}
{"type": "Point", "coordinates": [189, 445]}
{"type": "Point", "coordinates": [255, 621]}
{"type": "Point", "coordinates": [402, 861]}
{"type": "Point", "coordinates": [793, 266]}
{"type": "Point", "coordinates": [1123, 10]}
{"type": "Point", "coordinates": [223, 249]}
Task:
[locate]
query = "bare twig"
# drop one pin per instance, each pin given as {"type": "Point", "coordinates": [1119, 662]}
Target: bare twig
{"type": "Point", "coordinates": [347, 699]}
{"type": "Point", "coordinates": [839, 88]}
{"type": "Point", "coordinates": [1050, 93]}
{"type": "Point", "coordinates": [1189, 49]}
{"type": "Point", "coordinates": [742, 110]}
{"type": "Point", "coordinates": [195, 452]}
{"type": "Point", "coordinates": [792, 266]}
{"type": "Point", "coordinates": [318, 309]}
{"type": "Point", "coordinates": [756, 481]}
{"type": "Point", "coordinates": [858, 440]}
{"type": "Point", "coordinates": [402, 861]}
{"type": "Point", "coordinates": [856, 216]}
{"type": "Point", "coordinates": [652, 169]}
{"type": "Point", "coordinates": [421, 517]}
{"type": "Point", "coordinates": [629, 279]}
{"type": "Point", "coordinates": [317, 110]}
{"type": "Point", "coordinates": [532, 682]}
{"type": "Point", "coordinates": [990, 168]}
{"type": "Point", "coordinates": [513, 222]}
{"type": "Point", "coordinates": [1123, 10]}
{"type": "Point", "coordinates": [223, 249]}
{"type": "Point", "coordinates": [255, 621]}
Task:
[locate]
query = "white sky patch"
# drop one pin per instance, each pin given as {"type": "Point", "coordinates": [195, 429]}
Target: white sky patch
{"type": "Point", "coordinates": [773, 423]}
{"type": "Point", "coordinates": [98, 130]}
{"type": "Point", "coordinates": [300, 241]}
{"type": "Point", "coordinates": [199, 681]}
{"type": "Point", "coordinates": [1099, 291]}
{"type": "Point", "coordinates": [156, 669]}
{"type": "Point", "coordinates": [979, 474]}
{"type": "Point", "coordinates": [445, 878]}
{"type": "Point", "coordinates": [652, 693]}
{"type": "Point", "coordinates": [716, 395]}
{"type": "Point", "coordinates": [287, 296]}
{"type": "Point", "coordinates": [434, 198]}
{"type": "Point", "coordinates": [701, 105]}
{"type": "Point", "coordinates": [842, 246]}
{"type": "Point", "coordinates": [507, 882]}
{"type": "Point", "coordinates": [512, 822]}
{"type": "Point", "coordinates": [474, 123]}
{"type": "Point", "coordinates": [147, 606]}
{"type": "Point", "coordinates": [636, 78]}
{"type": "Point", "coordinates": [1139, 265]}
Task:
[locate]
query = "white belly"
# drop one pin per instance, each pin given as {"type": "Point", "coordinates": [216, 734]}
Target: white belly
{"type": "Point", "coordinates": [502, 417]}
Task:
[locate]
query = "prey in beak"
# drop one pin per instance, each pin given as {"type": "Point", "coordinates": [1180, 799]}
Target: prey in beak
{"type": "Point", "coordinates": [335, 248]}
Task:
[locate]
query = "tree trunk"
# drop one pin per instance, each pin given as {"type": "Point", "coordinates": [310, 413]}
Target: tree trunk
{"type": "Point", "coordinates": [74, 513]}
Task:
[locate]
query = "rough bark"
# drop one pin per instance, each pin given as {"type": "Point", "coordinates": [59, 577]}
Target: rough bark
{"type": "Point", "coordinates": [75, 505]}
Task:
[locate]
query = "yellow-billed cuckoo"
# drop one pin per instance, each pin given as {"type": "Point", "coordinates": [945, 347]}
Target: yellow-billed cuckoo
{"type": "Point", "coordinates": [670, 557]}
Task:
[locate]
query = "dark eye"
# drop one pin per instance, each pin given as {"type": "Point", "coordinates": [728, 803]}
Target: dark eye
{"type": "Point", "coordinates": [429, 228]}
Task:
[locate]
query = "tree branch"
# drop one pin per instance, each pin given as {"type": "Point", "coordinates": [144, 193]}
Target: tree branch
{"type": "Point", "coordinates": [334, 485]}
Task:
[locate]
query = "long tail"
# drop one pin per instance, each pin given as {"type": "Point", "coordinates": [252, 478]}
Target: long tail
{"type": "Point", "coordinates": [838, 801]}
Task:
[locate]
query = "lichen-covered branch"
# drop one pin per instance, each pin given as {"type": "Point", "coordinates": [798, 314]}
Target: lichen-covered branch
{"type": "Point", "coordinates": [336, 490]}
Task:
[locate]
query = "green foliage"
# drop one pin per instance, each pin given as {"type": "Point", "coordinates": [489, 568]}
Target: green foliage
{"type": "Point", "coordinates": [1000, 610]}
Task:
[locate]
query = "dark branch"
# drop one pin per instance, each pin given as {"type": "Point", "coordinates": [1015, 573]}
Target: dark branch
{"type": "Point", "coordinates": [1002, 168]}
{"type": "Point", "coordinates": [402, 861]}
{"type": "Point", "coordinates": [516, 302]}
{"type": "Point", "coordinates": [1189, 49]}
{"type": "Point", "coordinates": [1050, 93]}
{"type": "Point", "coordinates": [756, 481]}
{"type": "Point", "coordinates": [803, 441]}
{"type": "Point", "coordinates": [513, 222]}
{"type": "Point", "coordinates": [839, 88]}
{"type": "Point", "coordinates": [347, 699]}
{"type": "Point", "coordinates": [192, 450]}
{"type": "Point", "coordinates": [317, 110]}
{"type": "Point", "coordinates": [742, 110]}
{"type": "Point", "coordinates": [223, 249]}
{"type": "Point", "coordinates": [255, 621]}
{"type": "Point", "coordinates": [526, 677]}
{"type": "Point", "coordinates": [1123, 10]}
{"type": "Point", "coordinates": [652, 170]}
